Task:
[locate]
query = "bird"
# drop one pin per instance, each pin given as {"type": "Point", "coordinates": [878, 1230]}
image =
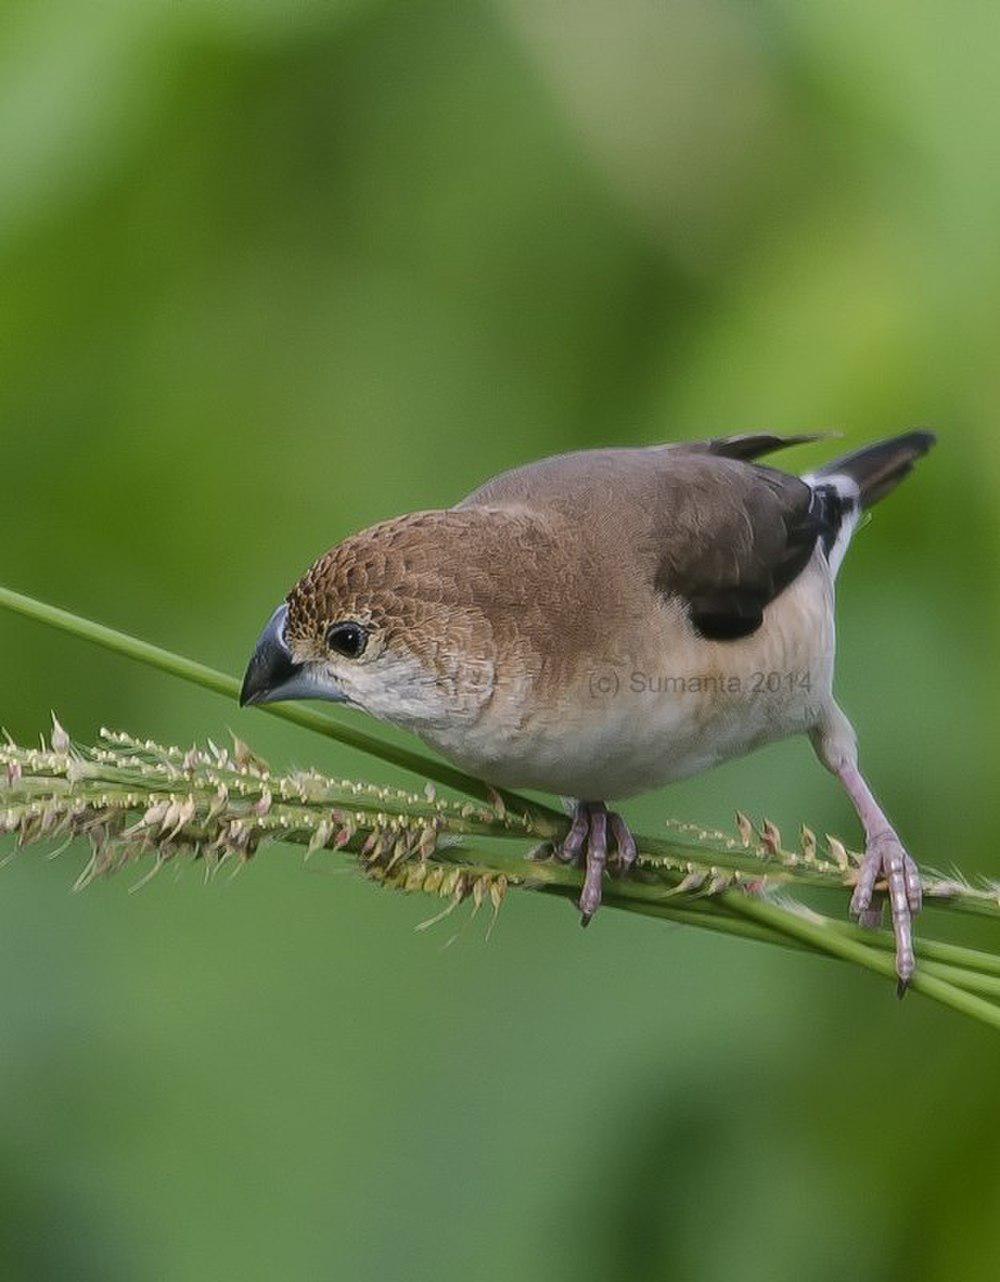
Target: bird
{"type": "Point", "coordinates": [600, 623]}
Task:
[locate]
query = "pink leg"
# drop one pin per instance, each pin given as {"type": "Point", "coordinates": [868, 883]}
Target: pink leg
{"type": "Point", "coordinates": [884, 858]}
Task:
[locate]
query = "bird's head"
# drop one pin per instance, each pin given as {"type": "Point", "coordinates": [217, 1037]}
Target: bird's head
{"type": "Point", "coordinates": [389, 620]}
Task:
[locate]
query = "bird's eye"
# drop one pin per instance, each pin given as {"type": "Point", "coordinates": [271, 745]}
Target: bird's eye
{"type": "Point", "coordinates": [348, 639]}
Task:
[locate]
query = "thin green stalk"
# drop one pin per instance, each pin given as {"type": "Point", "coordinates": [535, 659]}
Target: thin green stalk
{"type": "Point", "coordinates": [200, 674]}
{"type": "Point", "coordinates": [975, 977]}
{"type": "Point", "coordinates": [972, 969]}
{"type": "Point", "coordinates": [656, 894]}
{"type": "Point", "coordinates": [986, 984]}
{"type": "Point", "coordinates": [936, 950]}
{"type": "Point", "coordinates": [839, 945]}
{"type": "Point", "coordinates": [967, 968]}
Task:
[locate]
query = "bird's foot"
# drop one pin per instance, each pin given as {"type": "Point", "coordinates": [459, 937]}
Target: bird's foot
{"type": "Point", "coordinates": [885, 859]}
{"type": "Point", "coordinates": [587, 843]}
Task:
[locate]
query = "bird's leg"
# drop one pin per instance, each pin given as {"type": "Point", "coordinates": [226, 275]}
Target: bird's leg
{"type": "Point", "coordinates": [587, 843]}
{"type": "Point", "coordinates": [885, 858]}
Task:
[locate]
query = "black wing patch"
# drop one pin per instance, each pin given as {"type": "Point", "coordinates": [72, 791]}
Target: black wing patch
{"type": "Point", "coordinates": [734, 536]}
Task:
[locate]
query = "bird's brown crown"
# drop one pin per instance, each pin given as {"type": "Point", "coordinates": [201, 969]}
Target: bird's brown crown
{"type": "Point", "coordinates": [448, 585]}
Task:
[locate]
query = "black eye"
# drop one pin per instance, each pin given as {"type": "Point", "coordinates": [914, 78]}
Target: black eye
{"type": "Point", "coordinates": [348, 639]}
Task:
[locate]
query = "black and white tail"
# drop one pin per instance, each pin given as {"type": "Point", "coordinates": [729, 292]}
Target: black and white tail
{"type": "Point", "coordinates": [848, 486]}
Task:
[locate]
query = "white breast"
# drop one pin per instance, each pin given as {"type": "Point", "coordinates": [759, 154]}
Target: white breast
{"type": "Point", "coordinates": [675, 706]}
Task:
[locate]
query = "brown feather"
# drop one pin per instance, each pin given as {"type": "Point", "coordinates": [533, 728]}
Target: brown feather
{"type": "Point", "coordinates": [725, 535]}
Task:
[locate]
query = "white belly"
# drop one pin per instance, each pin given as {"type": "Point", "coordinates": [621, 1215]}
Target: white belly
{"type": "Point", "coordinates": [632, 724]}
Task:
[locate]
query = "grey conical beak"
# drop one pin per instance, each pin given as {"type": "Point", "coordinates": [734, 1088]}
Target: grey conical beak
{"type": "Point", "coordinates": [272, 675]}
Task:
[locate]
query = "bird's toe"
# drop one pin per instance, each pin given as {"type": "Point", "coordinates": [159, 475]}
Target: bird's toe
{"type": "Point", "coordinates": [626, 851]}
{"type": "Point", "coordinates": [886, 860]}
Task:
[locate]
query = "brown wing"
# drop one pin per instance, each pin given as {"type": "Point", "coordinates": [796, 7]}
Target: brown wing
{"type": "Point", "coordinates": [735, 537]}
{"type": "Point", "coordinates": [699, 521]}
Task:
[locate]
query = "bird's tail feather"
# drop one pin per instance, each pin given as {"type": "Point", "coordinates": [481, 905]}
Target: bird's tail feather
{"type": "Point", "coordinates": [876, 470]}
{"type": "Point", "coordinates": [845, 488]}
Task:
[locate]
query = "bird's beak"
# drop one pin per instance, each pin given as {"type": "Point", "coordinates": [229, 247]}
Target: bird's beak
{"type": "Point", "coordinates": [273, 676]}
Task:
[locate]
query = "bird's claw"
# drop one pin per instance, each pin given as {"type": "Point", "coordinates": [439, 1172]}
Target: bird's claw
{"type": "Point", "coordinates": [885, 859]}
{"type": "Point", "coordinates": [586, 843]}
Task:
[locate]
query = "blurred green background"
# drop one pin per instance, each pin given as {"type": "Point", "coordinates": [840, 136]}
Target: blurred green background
{"type": "Point", "coordinates": [272, 271]}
